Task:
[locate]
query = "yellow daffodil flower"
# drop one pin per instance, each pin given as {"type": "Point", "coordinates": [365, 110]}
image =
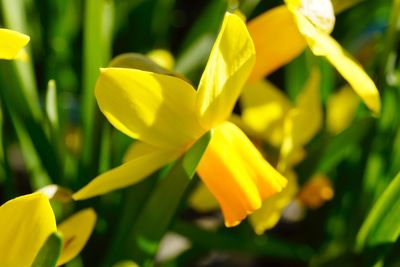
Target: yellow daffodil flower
{"type": "Point", "coordinates": [11, 43]}
{"type": "Point", "coordinates": [167, 115]}
{"type": "Point", "coordinates": [268, 115]}
{"type": "Point", "coordinates": [27, 221]}
{"type": "Point", "coordinates": [341, 109]}
{"type": "Point", "coordinates": [266, 107]}
{"type": "Point", "coordinates": [306, 22]}
{"type": "Point", "coordinates": [25, 224]}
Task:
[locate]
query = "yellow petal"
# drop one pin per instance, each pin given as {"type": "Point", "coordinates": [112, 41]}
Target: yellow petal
{"type": "Point", "coordinates": [129, 173]}
{"type": "Point", "coordinates": [277, 41]}
{"type": "Point", "coordinates": [154, 108]}
{"type": "Point", "coordinates": [163, 58]}
{"type": "Point", "coordinates": [25, 224]}
{"type": "Point", "coordinates": [264, 108]}
{"type": "Point", "coordinates": [307, 118]}
{"type": "Point", "coordinates": [76, 231]}
{"type": "Point", "coordinates": [318, 12]}
{"type": "Point", "coordinates": [341, 109]}
{"type": "Point", "coordinates": [323, 45]}
{"type": "Point", "coordinates": [271, 211]}
{"type": "Point", "coordinates": [237, 174]}
{"type": "Point", "coordinates": [11, 43]}
{"type": "Point", "coordinates": [202, 200]}
{"type": "Point", "coordinates": [227, 69]}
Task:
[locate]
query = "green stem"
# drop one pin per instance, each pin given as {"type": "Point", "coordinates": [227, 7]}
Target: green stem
{"type": "Point", "coordinates": [387, 66]}
{"type": "Point", "coordinates": [96, 53]}
{"type": "Point", "coordinates": [160, 208]}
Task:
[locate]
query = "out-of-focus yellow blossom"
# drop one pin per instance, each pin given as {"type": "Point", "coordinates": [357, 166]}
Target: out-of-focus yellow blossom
{"type": "Point", "coordinates": [202, 200]}
{"type": "Point", "coordinates": [306, 22]}
{"type": "Point", "coordinates": [297, 126]}
{"type": "Point", "coordinates": [341, 109]}
{"type": "Point", "coordinates": [167, 115]}
{"type": "Point", "coordinates": [75, 230]}
{"type": "Point", "coordinates": [265, 109]}
{"type": "Point", "coordinates": [25, 224]}
{"type": "Point", "coordinates": [11, 44]}
{"type": "Point", "coordinates": [316, 191]}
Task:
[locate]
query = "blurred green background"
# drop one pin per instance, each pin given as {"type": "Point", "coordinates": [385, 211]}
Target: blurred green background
{"type": "Point", "coordinates": [53, 132]}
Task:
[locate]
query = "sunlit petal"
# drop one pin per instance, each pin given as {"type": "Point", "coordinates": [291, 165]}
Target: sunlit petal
{"type": "Point", "coordinates": [154, 108]}
{"type": "Point", "coordinates": [228, 67]}
{"type": "Point", "coordinates": [237, 174]}
{"type": "Point", "coordinates": [277, 41]}
{"type": "Point", "coordinates": [11, 43]}
{"type": "Point", "coordinates": [25, 222]}
{"type": "Point", "coordinates": [323, 45]}
{"type": "Point", "coordinates": [318, 12]}
{"type": "Point", "coordinates": [129, 173]}
{"type": "Point", "coordinates": [76, 230]}
{"type": "Point", "coordinates": [341, 109]}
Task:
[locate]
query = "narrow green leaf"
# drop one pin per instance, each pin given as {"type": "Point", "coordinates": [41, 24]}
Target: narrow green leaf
{"type": "Point", "coordinates": [52, 115]}
{"type": "Point", "coordinates": [125, 264]}
{"type": "Point", "coordinates": [296, 73]}
{"type": "Point", "coordinates": [342, 5]}
{"type": "Point", "coordinates": [326, 153]}
{"type": "Point", "coordinates": [389, 54]}
{"type": "Point", "coordinates": [382, 223]}
{"type": "Point", "coordinates": [97, 38]}
{"type": "Point", "coordinates": [195, 55]}
{"type": "Point", "coordinates": [341, 144]}
{"type": "Point", "coordinates": [248, 6]}
{"type": "Point", "coordinates": [197, 45]}
{"type": "Point", "coordinates": [39, 177]}
{"type": "Point", "coordinates": [14, 14]}
{"type": "Point", "coordinates": [50, 251]}
{"type": "Point", "coordinates": [163, 203]}
{"type": "Point", "coordinates": [52, 105]}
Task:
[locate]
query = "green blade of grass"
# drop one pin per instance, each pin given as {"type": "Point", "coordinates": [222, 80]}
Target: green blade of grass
{"type": "Point", "coordinates": [97, 39]}
{"type": "Point", "coordinates": [382, 223]}
{"type": "Point", "coordinates": [29, 129]}
{"type": "Point", "coordinates": [163, 203]}
{"type": "Point", "coordinates": [14, 18]}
